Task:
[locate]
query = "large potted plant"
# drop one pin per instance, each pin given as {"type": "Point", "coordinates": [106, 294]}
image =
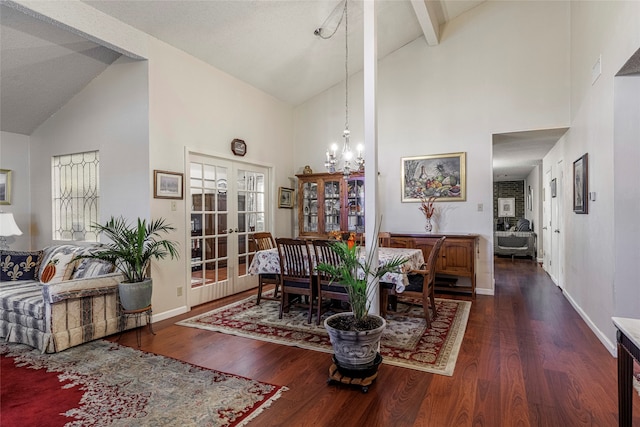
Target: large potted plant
{"type": "Point", "coordinates": [131, 250]}
{"type": "Point", "coordinates": [355, 335]}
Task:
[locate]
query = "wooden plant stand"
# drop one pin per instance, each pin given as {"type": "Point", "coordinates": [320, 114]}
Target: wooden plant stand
{"type": "Point", "coordinates": [136, 314]}
{"type": "Point", "coordinates": [361, 379]}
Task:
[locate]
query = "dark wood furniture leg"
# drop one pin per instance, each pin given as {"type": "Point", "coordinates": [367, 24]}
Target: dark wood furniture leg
{"type": "Point", "coordinates": [626, 352]}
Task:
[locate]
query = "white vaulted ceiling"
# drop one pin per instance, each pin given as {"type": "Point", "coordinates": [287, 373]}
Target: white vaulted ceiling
{"type": "Point", "coordinates": [267, 43]}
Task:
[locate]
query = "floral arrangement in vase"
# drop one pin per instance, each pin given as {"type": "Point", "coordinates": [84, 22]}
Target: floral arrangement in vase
{"type": "Point", "coordinates": [428, 209]}
{"type": "Point", "coordinates": [337, 235]}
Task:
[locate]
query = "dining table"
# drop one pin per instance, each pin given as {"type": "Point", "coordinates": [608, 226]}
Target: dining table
{"type": "Point", "coordinates": [268, 262]}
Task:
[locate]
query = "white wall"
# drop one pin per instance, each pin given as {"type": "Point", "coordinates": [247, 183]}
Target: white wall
{"type": "Point", "coordinates": [608, 30]}
{"type": "Point", "coordinates": [626, 158]}
{"type": "Point", "coordinates": [195, 107]}
{"type": "Point", "coordinates": [501, 67]}
{"type": "Point", "coordinates": [14, 155]}
{"type": "Point", "coordinates": [109, 115]}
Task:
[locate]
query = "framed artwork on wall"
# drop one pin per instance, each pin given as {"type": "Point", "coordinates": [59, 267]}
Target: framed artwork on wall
{"type": "Point", "coordinates": [439, 175]}
{"type": "Point", "coordinates": [553, 188]}
{"type": "Point", "coordinates": [5, 187]}
{"type": "Point", "coordinates": [167, 185]}
{"type": "Point", "coordinates": [285, 198]}
{"type": "Point", "coordinates": [580, 184]}
{"type": "Point", "coordinates": [506, 207]}
{"type": "Point", "coordinates": [529, 198]}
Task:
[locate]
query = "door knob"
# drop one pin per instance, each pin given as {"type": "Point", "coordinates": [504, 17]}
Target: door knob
{"type": "Point", "coordinates": [230, 230]}
{"type": "Point", "coordinates": [556, 231]}
{"type": "Point", "coordinates": [544, 228]}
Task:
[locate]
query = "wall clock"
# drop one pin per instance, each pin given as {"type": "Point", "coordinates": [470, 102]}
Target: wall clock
{"type": "Point", "coordinates": [238, 147]}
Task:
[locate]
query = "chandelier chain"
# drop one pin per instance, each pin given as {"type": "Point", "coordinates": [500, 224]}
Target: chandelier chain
{"type": "Point", "coordinates": [346, 65]}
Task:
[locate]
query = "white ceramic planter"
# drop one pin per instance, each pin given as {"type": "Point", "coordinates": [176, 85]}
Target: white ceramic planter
{"type": "Point", "coordinates": [354, 350]}
{"type": "Point", "coordinates": [135, 296]}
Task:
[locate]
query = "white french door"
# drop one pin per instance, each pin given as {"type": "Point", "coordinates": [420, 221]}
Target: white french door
{"type": "Point", "coordinates": [229, 201]}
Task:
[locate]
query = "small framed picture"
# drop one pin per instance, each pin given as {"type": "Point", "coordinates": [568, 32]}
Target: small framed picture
{"type": "Point", "coordinates": [580, 185]}
{"type": "Point", "coordinates": [5, 187]}
{"type": "Point", "coordinates": [285, 198]}
{"type": "Point", "coordinates": [167, 185]}
{"type": "Point", "coordinates": [554, 188]}
{"type": "Point", "coordinates": [506, 207]}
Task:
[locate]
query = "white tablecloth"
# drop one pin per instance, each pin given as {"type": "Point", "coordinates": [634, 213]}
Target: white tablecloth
{"type": "Point", "coordinates": [267, 262]}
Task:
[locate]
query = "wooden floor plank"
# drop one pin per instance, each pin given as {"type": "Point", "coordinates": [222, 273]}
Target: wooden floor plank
{"type": "Point", "coordinates": [527, 359]}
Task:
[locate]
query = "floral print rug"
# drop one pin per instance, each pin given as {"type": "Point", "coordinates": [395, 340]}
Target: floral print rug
{"type": "Point", "coordinates": [112, 385]}
{"type": "Point", "coordinates": [405, 342]}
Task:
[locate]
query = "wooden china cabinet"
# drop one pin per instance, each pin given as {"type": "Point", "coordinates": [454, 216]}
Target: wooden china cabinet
{"type": "Point", "coordinates": [327, 202]}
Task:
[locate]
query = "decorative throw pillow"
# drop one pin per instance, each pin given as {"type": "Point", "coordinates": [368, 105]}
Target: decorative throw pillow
{"type": "Point", "coordinates": [16, 265]}
{"type": "Point", "coordinates": [92, 268]}
{"type": "Point", "coordinates": [57, 264]}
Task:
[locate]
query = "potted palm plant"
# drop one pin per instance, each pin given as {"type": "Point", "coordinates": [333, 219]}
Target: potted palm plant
{"type": "Point", "coordinates": [355, 335]}
{"type": "Point", "coordinates": [131, 250]}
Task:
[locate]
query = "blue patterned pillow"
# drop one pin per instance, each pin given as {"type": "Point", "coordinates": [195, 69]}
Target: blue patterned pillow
{"type": "Point", "coordinates": [15, 265]}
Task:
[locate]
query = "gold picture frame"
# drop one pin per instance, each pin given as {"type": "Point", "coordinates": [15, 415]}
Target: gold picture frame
{"type": "Point", "coordinates": [285, 198]}
{"type": "Point", "coordinates": [5, 186]}
{"type": "Point", "coordinates": [438, 175]}
{"type": "Point", "coordinates": [167, 185]}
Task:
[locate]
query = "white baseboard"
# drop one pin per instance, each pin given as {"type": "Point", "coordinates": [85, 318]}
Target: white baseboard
{"type": "Point", "coordinates": [168, 314]}
{"type": "Point", "coordinates": [484, 291]}
{"type": "Point", "coordinates": [611, 347]}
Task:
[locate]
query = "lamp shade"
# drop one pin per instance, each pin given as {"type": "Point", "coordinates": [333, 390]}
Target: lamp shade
{"type": "Point", "coordinates": [8, 226]}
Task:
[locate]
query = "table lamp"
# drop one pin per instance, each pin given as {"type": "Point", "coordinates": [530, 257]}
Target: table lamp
{"type": "Point", "coordinates": [8, 227]}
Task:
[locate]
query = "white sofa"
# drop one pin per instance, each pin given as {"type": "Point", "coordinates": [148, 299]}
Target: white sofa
{"type": "Point", "coordinates": [79, 304]}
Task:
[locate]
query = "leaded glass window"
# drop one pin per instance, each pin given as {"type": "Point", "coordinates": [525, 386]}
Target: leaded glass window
{"type": "Point", "coordinates": [75, 196]}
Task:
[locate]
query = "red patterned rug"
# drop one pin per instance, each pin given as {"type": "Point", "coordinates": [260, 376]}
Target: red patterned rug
{"type": "Point", "coordinates": [405, 342]}
{"type": "Point", "coordinates": [102, 383]}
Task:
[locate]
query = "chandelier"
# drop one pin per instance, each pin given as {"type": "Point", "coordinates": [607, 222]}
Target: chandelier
{"type": "Point", "coordinates": [343, 160]}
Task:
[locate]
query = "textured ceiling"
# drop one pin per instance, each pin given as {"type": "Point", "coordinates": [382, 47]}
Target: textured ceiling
{"type": "Point", "coordinates": [267, 43]}
{"type": "Point", "coordinates": [43, 67]}
{"type": "Point", "coordinates": [515, 154]}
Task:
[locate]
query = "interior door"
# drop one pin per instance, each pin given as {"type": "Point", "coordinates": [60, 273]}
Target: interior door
{"type": "Point", "coordinates": [228, 202]}
{"type": "Point", "coordinates": [546, 222]}
{"type": "Point", "coordinates": [556, 235]}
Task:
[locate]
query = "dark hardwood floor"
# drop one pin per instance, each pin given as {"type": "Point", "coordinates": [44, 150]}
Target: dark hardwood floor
{"type": "Point", "coordinates": [527, 359]}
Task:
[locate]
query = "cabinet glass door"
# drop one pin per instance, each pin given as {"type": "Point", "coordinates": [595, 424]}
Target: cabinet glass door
{"type": "Point", "coordinates": [331, 206]}
{"type": "Point", "coordinates": [355, 205]}
{"type": "Point", "coordinates": [310, 207]}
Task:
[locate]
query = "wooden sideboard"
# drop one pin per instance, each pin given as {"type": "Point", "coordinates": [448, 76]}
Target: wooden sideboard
{"type": "Point", "coordinates": [457, 258]}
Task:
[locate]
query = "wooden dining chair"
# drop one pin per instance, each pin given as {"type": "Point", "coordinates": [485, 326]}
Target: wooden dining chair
{"type": "Point", "coordinates": [326, 287]}
{"type": "Point", "coordinates": [295, 275]}
{"type": "Point", "coordinates": [263, 241]}
{"type": "Point", "coordinates": [421, 286]}
{"type": "Point", "coordinates": [384, 239]}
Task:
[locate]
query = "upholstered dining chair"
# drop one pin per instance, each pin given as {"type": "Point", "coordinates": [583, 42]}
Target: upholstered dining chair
{"type": "Point", "coordinates": [264, 240]}
{"type": "Point", "coordinates": [326, 288]}
{"type": "Point", "coordinates": [384, 239]}
{"type": "Point", "coordinates": [295, 274]}
{"type": "Point", "coordinates": [421, 286]}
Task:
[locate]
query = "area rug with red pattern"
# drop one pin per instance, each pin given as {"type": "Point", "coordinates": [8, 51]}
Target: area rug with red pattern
{"type": "Point", "coordinates": [104, 384]}
{"type": "Point", "coordinates": [406, 341]}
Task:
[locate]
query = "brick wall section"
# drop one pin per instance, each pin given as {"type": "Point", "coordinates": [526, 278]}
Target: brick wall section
{"type": "Point", "coordinates": [513, 189]}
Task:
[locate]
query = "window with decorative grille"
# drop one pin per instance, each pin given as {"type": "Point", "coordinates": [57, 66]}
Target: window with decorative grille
{"type": "Point", "coordinates": [75, 196]}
